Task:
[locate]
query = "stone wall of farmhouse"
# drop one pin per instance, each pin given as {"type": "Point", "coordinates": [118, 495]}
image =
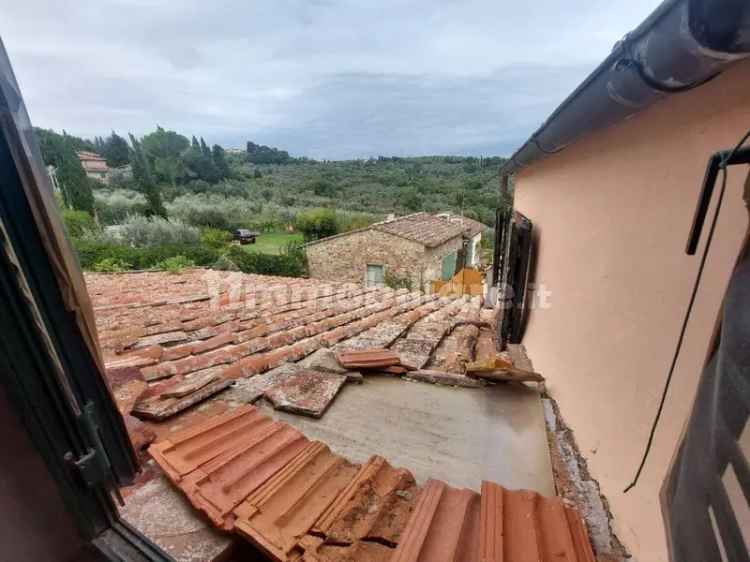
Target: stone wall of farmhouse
{"type": "Point", "coordinates": [345, 258]}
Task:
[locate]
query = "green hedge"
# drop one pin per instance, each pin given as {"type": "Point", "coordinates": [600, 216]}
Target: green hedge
{"type": "Point", "coordinates": [290, 264]}
{"type": "Point", "coordinates": [90, 253]}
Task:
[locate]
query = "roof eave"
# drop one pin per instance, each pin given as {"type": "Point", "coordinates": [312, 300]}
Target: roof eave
{"type": "Point", "coordinates": [680, 46]}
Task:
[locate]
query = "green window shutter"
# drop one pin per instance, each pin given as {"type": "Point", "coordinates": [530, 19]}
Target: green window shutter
{"type": "Point", "coordinates": [375, 276]}
{"type": "Point", "coordinates": [449, 266]}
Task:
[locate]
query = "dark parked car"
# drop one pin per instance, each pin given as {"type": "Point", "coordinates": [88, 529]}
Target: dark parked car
{"type": "Point", "coordinates": [245, 236]}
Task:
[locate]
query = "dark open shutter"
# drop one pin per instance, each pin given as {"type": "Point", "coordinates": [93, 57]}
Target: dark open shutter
{"type": "Point", "coordinates": [706, 495]}
{"type": "Point", "coordinates": [515, 276]}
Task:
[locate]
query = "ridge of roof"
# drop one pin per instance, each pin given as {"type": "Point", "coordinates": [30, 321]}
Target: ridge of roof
{"type": "Point", "coordinates": [420, 218]}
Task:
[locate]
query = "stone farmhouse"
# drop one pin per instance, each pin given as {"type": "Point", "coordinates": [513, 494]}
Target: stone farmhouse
{"type": "Point", "coordinates": [417, 249]}
{"type": "Point", "coordinates": [94, 165]}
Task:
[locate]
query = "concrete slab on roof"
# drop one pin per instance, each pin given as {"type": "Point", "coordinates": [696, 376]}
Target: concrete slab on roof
{"type": "Point", "coordinates": [459, 435]}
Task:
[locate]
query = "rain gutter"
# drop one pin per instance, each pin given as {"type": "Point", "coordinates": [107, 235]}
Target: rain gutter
{"type": "Point", "coordinates": [682, 45]}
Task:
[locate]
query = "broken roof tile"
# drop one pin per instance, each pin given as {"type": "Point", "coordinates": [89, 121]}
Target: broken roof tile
{"type": "Point", "coordinates": [315, 549]}
{"type": "Point", "coordinates": [375, 506]}
{"type": "Point", "coordinates": [159, 408]}
{"type": "Point", "coordinates": [282, 511]}
{"type": "Point", "coordinates": [305, 392]}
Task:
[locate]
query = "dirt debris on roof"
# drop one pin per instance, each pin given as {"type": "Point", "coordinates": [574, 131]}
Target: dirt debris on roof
{"type": "Point", "coordinates": [444, 378]}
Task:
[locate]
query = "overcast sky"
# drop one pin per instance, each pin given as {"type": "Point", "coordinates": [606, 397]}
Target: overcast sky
{"type": "Point", "coordinates": [320, 78]}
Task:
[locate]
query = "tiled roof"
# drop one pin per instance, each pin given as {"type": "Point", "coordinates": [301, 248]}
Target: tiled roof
{"type": "Point", "coordinates": [471, 227]}
{"type": "Point", "coordinates": [86, 155]}
{"type": "Point", "coordinates": [194, 343]}
{"type": "Point", "coordinates": [92, 162]}
{"type": "Point", "coordinates": [423, 228]}
{"type": "Point", "coordinates": [263, 480]}
{"type": "Point", "coordinates": [298, 501]}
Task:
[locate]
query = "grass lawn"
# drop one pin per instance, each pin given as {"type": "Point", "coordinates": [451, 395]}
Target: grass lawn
{"type": "Point", "coordinates": [272, 243]}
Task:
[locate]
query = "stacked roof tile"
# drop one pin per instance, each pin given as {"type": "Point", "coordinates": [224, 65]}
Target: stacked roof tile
{"type": "Point", "coordinates": [196, 333]}
{"type": "Point", "coordinates": [297, 500]}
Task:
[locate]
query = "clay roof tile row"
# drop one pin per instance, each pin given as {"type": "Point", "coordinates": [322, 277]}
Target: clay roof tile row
{"type": "Point", "coordinates": [298, 501]}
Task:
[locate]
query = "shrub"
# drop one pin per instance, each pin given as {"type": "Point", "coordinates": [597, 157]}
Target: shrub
{"type": "Point", "coordinates": [111, 265]}
{"type": "Point", "coordinates": [78, 222]}
{"type": "Point", "coordinates": [347, 221]}
{"type": "Point", "coordinates": [317, 223]}
{"type": "Point", "coordinates": [91, 252]}
{"type": "Point", "coordinates": [113, 207]}
{"type": "Point", "coordinates": [141, 232]}
{"type": "Point", "coordinates": [215, 238]}
{"type": "Point", "coordinates": [225, 264]}
{"type": "Point", "coordinates": [215, 211]}
{"type": "Point", "coordinates": [175, 264]}
{"type": "Point", "coordinates": [398, 282]}
{"type": "Point", "coordinates": [289, 264]}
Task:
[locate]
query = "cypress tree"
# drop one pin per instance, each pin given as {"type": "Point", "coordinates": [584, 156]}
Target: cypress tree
{"type": "Point", "coordinates": [220, 161]}
{"type": "Point", "coordinates": [115, 150]}
{"type": "Point", "coordinates": [73, 181]}
{"type": "Point", "coordinates": [204, 148]}
{"type": "Point", "coordinates": [142, 174]}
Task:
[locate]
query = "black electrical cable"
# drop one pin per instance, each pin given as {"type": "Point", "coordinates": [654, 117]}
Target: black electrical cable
{"type": "Point", "coordinates": [688, 312]}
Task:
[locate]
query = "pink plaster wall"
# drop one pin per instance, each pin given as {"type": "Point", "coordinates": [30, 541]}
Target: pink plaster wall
{"type": "Point", "coordinates": [613, 213]}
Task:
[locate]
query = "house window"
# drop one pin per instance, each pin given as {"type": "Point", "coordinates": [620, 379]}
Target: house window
{"type": "Point", "coordinates": [375, 276]}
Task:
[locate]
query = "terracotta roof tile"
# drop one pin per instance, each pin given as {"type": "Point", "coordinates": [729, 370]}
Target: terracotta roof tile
{"type": "Point", "coordinates": [423, 228]}
{"type": "Point", "coordinates": [297, 500]}
{"type": "Point", "coordinates": [160, 408]}
{"type": "Point", "coordinates": [444, 527]}
{"type": "Point", "coordinates": [169, 327]}
{"type": "Point", "coordinates": [375, 506]}
{"type": "Point", "coordinates": [186, 450]}
{"type": "Point", "coordinates": [286, 507]}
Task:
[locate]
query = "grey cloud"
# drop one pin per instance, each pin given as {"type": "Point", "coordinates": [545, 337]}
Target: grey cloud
{"type": "Point", "coordinates": [328, 79]}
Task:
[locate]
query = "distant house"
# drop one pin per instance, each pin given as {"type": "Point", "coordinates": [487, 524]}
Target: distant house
{"type": "Point", "coordinates": [418, 249]}
{"type": "Point", "coordinates": [473, 231]}
{"type": "Point", "coordinates": [94, 165]}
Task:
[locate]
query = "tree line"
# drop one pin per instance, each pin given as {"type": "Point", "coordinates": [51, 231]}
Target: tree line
{"type": "Point", "coordinates": [157, 158]}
